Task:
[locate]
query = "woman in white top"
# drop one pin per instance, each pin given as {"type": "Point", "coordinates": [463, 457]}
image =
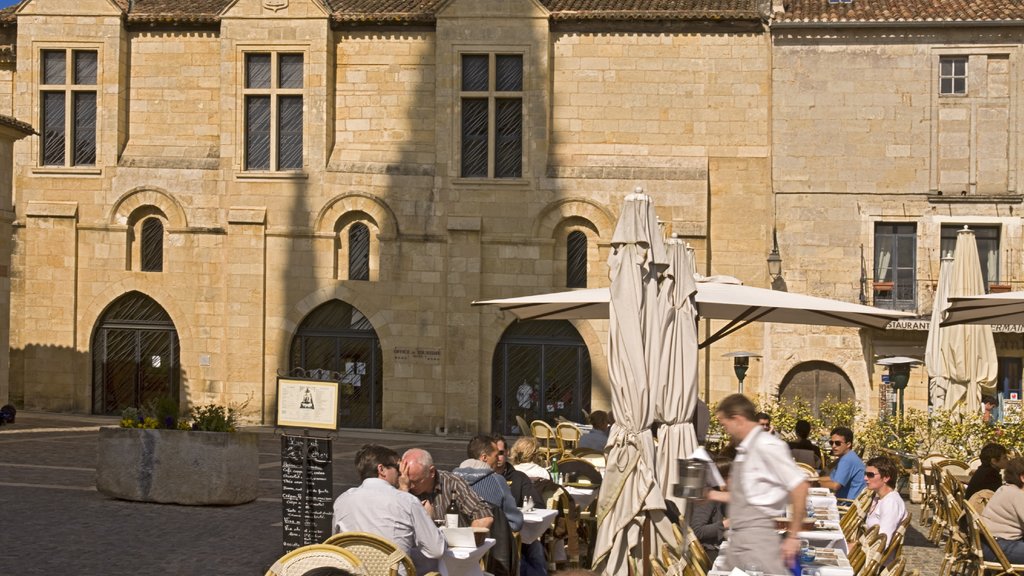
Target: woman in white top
{"type": "Point", "coordinates": [523, 455]}
{"type": "Point", "coordinates": [887, 508]}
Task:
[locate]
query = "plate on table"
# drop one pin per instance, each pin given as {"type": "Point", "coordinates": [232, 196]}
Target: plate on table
{"type": "Point", "coordinates": [819, 492]}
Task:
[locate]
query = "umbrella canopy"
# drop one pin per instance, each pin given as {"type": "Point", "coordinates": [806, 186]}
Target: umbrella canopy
{"type": "Point", "coordinates": [968, 351]}
{"type": "Point", "coordinates": [938, 382]}
{"type": "Point", "coordinates": [1004, 308]}
{"type": "Point", "coordinates": [630, 494]}
{"type": "Point", "coordinates": [678, 376]}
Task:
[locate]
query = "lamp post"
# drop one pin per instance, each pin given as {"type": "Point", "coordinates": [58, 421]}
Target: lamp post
{"type": "Point", "coordinates": [775, 265]}
{"type": "Point", "coordinates": [740, 364]}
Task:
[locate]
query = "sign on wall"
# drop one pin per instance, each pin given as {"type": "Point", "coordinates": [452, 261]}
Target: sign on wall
{"type": "Point", "coordinates": [307, 403]}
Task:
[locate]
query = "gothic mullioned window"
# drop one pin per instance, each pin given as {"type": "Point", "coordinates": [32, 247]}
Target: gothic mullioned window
{"type": "Point", "coordinates": [273, 92]}
{"type": "Point", "coordinates": [68, 103]}
{"type": "Point", "coordinates": [491, 97]}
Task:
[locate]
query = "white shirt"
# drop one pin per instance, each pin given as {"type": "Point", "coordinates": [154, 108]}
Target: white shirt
{"type": "Point", "coordinates": [887, 513]}
{"type": "Point", "coordinates": [533, 470]}
{"type": "Point", "coordinates": [379, 508]}
{"type": "Point", "coordinates": [769, 472]}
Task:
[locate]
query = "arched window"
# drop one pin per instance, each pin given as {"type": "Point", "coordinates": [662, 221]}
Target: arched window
{"type": "Point", "coordinates": [358, 252]}
{"type": "Point", "coordinates": [813, 382]}
{"type": "Point", "coordinates": [337, 342]}
{"type": "Point", "coordinates": [576, 260]}
{"type": "Point", "coordinates": [152, 249]}
{"type": "Point", "coordinates": [541, 371]}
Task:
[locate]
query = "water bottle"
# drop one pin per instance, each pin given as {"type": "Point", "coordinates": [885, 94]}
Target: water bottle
{"type": "Point", "coordinates": [809, 510]}
{"type": "Point", "coordinates": [554, 471]}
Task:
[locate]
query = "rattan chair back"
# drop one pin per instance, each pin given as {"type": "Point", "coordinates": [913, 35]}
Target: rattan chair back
{"type": "Point", "coordinates": [301, 560]}
{"type": "Point", "coordinates": [379, 556]}
{"type": "Point", "coordinates": [524, 426]}
{"type": "Point", "coordinates": [568, 435]}
{"type": "Point", "coordinates": [547, 441]}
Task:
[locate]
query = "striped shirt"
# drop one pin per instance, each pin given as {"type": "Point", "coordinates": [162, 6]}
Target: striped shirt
{"type": "Point", "coordinates": [447, 486]}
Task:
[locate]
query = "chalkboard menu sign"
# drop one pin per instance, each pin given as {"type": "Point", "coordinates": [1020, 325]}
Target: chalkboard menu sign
{"type": "Point", "coordinates": [306, 490]}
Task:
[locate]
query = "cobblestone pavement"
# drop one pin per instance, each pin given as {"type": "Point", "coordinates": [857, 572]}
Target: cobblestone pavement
{"type": "Point", "coordinates": [53, 521]}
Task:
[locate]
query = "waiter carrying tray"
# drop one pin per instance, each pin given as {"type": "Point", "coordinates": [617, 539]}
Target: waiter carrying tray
{"type": "Point", "coordinates": [764, 478]}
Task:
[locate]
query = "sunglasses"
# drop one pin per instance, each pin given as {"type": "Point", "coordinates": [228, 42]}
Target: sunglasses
{"type": "Point", "coordinates": [870, 474]}
{"type": "Point", "coordinates": [837, 442]}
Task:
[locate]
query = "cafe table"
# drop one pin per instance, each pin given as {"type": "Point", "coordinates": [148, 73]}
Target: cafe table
{"type": "Point", "coordinates": [826, 532]}
{"type": "Point", "coordinates": [464, 561]}
{"type": "Point", "coordinates": [581, 495]}
{"type": "Point", "coordinates": [535, 523]}
{"type": "Point", "coordinates": [827, 562]}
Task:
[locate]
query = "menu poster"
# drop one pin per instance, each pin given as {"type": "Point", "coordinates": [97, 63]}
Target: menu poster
{"type": "Point", "coordinates": [307, 403]}
{"type": "Point", "coordinates": [306, 490]}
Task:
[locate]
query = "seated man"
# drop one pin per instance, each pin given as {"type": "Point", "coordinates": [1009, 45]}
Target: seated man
{"type": "Point", "coordinates": [989, 475]}
{"type": "Point", "coordinates": [436, 489]}
{"type": "Point", "coordinates": [803, 449]}
{"type": "Point", "coordinates": [478, 472]}
{"type": "Point", "coordinates": [378, 507]}
{"type": "Point", "coordinates": [598, 437]}
{"type": "Point", "coordinates": [847, 475]}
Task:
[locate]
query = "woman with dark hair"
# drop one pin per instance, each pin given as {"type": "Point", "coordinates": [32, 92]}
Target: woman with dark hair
{"type": "Point", "coordinates": [1004, 515]}
{"type": "Point", "coordinates": [887, 509]}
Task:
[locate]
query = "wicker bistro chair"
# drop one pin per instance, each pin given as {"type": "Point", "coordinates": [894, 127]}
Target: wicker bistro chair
{"type": "Point", "coordinates": [564, 533]}
{"type": "Point", "coordinates": [595, 457]}
{"type": "Point", "coordinates": [379, 556]}
{"type": "Point", "coordinates": [568, 436]}
{"type": "Point", "coordinates": [979, 534]}
{"type": "Point", "coordinates": [299, 561]}
{"type": "Point", "coordinates": [548, 444]}
{"type": "Point", "coordinates": [524, 426]}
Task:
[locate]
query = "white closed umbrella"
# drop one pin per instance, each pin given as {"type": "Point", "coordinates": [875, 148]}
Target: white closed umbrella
{"type": "Point", "coordinates": [630, 495]}
{"type": "Point", "coordinates": [937, 380]}
{"type": "Point", "coordinates": [968, 351]}
{"type": "Point", "coordinates": [678, 375]}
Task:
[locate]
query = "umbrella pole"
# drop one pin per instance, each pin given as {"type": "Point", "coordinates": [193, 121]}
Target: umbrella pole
{"type": "Point", "coordinates": [645, 548]}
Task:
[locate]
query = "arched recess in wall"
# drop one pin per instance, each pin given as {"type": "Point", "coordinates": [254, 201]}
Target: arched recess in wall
{"type": "Point", "coordinates": [540, 371]}
{"type": "Point", "coordinates": [358, 224]}
{"type": "Point", "coordinates": [335, 341]}
{"type": "Point", "coordinates": [813, 382]}
{"type": "Point", "coordinates": [135, 355]}
{"type": "Point", "coordinates": [149, 215]}
{"type": "Point", "coordinates": [576, 225]}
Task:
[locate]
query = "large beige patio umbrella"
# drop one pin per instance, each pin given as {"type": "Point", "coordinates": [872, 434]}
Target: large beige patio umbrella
{"type": "Point", "coordinates": [678, 375]}
{"type": "Point", "coordinates": [968, 351]}
{"type": "Point", "coordinates": [630, 496]}
{"type": "Point", "coordinates": [938, 382]}
{"type": "Point", "coordinates": [1003, 308]}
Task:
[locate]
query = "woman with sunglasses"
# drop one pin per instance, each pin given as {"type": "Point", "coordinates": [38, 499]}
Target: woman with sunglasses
{"type": "Point", "coordinates": [887, 508]}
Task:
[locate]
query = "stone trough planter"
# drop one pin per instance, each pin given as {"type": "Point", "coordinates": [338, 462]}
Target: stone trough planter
{"type": "Point", "coordinates": [178, 466]}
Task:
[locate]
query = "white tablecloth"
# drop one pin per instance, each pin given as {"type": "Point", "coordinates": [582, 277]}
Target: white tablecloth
{"type": "Point", "coordinates": [535, 523]}
{"type": "Point", "coordinates": [834, 565]}
{"type": "Point", "coordinates": [582, 496]}
{"type": "Point", "coordinates": [464, 561]}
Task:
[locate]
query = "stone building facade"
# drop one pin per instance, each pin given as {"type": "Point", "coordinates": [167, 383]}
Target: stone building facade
{"type": "Point", "coordinates": [239, 190]}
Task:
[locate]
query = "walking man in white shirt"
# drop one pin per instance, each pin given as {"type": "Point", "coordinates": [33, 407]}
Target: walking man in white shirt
{"type": "Point", "coordinates": [378, 507]}
{"type": "Point", "coordinates": [762, 480]}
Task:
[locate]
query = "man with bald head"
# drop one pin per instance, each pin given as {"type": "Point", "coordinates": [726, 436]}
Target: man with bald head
{"type": "Point", "coordinates": [437, 488]}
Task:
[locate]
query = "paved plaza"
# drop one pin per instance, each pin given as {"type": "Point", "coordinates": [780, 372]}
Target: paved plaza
{"type": "Point", "coordinates": [53, 521]}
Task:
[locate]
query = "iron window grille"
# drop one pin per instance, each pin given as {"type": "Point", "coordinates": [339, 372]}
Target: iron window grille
{"type": "Point", "coordinates": [358, 252]}
{"type": "Point", "coordinates": [273, 111]}
{"type": "Point", "coordinates": [68, 99]}
{"type": "Point", "coordinates": [152, 252]}
{"type": "Point", "coordinates": [491, 97]}
{"type": "Point", "coordinates": [576, 260]}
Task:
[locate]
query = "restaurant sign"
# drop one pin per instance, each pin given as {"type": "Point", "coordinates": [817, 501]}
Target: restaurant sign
{"type": "Point", "coordinates": [923, 324]}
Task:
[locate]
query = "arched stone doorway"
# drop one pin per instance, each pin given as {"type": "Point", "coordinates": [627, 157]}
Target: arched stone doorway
{"type": "Point", "coordinates": [337, 342]}
{"type": "Point", "coordinates": [135, 355]}
{"type": "Point", "coordinates": [813, 382]}
{"type": "Point", "coordinates": [541, 370]}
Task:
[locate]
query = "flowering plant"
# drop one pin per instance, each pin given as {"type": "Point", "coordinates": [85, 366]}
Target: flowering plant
{"type": "Point", "coordinates": [163, 413]}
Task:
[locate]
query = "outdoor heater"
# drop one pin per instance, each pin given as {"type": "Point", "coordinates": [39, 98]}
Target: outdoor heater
{"type": "Point", "coordinates": [899, 375]}
{"type": "Point", "coordinates": [740, 364]}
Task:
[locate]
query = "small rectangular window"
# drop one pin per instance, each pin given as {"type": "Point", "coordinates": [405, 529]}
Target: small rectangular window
{"type": "Point", "coordinates": [953, 75]}
{"type": "Point", "coordinates": [274, 103]}
{"type": "Point", "coordinates": [895, 266]}
{"type": "Point", "coordinates": [69, 107]}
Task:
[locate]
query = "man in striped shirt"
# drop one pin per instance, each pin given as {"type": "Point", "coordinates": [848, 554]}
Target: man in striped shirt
{"type": "Point", "coordinates": [437, 488]}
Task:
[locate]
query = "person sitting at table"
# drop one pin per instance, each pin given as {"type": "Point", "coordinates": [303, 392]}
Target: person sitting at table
{"type": "Point", "coordinates": [764, 420]}
{"type": "Point", "coordinates": [437, 488]}
{"type": "Point", "coordinates": [377, 506]}
{"type": "Point", "coordinates": [846, 478]}
{"type": "Point", "coordinates": [989, 475]}
{"type": "Point", "coordinates": [533, 561]}
{"type": "Point", "coordinates": [1004, 514]}
{"type": "Point", "coordinates": [524, 456]}
{"type": "Point", "coordinates": [887, 509]}
{"type": "Point", "coordinates": [707, 517]}
{"type": "Point", "coordinates": [598, 436]}
{"type": "Point", "coordinates": [803, 449]}
{"type": "Point", "coordinates": [763, 480]}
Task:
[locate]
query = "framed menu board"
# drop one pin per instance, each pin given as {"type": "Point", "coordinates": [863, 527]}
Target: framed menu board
{"type": "Point", "coordinates": [307, 496]}
{"type": "Point", "coordinates": [307, 403]}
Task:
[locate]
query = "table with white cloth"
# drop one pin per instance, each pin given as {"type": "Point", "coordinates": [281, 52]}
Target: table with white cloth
{"type": "Point", "coordinates": [582, 496]}
{"type": "Point", "coordinates": [464, 561]}
{"type": "Point", "coordinates": [827, 562]}
{"type": "Point", "coordinates": [535, 523]}
{"type": "Point", "coordinates": [826, 532]}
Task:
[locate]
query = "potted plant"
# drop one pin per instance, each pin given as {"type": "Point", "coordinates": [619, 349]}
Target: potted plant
{"type": "Point", "coordinates": [155, 456]}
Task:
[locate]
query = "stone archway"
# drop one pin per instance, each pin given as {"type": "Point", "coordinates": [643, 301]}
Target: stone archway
{"type": "Point", "coordinates": [815, 381]}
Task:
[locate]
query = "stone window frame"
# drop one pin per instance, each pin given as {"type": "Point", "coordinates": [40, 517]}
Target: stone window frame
{"type": "Point", "coordinates": [137, 238]}
{"type": "Point", "coordinates": [342, 256]}
{"type": "Point", "coordinates": [572, 259]}
{"type": "Point", "coordinates": [492, 51]}
{"type": "Point", "coordinates": [976, 56]}
{"type": "Point", "coordinates": [274, 50]}
{"type": "Point", "coordinates": [68, 89]}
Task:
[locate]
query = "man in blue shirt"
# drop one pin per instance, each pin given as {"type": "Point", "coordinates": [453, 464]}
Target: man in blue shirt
{"type": "Point", "coordinates": [847, 475]}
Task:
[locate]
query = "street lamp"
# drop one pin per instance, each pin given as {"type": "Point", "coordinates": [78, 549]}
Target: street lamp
{"type": "Point", "coordinates": [899, 375]}
{"type": "Point", "coordinates": [775, 265]}
{"type": "Point", "coordinates": [740, 364]}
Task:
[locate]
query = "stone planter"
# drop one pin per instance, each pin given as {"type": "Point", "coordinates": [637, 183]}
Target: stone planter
{"type": "Point", "coordinates": [178, 466]}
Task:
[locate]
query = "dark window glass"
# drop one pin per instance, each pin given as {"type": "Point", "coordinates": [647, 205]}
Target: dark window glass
{"type": "Point", "coordinates": [257, 70]}
{"type": "Point", "coordinates": [509, 72]}
{"type": "Point", "coordinates": [475, 72]}
{"type": "Point", "coordinates": [290, 66]}
{"type": "Point", "coordinates": [85, 67]}
{"type": "Point", "coordinates": [54, 66]}
{"type": "Point", "coordinates": [359, 252]}
{"type": "Point", "coordinates": [576, 260]}
{"type": "Point", "coordinates": [953, 75]}
{"type": "Point", "coordinates": [987, 240]}
{"type": "Point", "coordinates": [289, 132]}
{"type": "Point", "coordinates": [508, 145]}
{"type": "Point", "coordinates": [895, 266]}
{"type": "Point", "coordinates": [257, 132]}
{"type": "Point", "coordinates": [474, 138]}
{"type": "Point", "coordinates": [152, 245]}
{"type": "Point", "coordinates": [53, 128]}
{"type": "Point", "coordinates": [84, 152]}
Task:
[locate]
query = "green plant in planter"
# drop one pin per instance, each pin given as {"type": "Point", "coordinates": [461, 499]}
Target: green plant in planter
{"type": "Point", "coordinates": [164, 413]}
{"type": "Point", "coordinates": [214, 418]}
